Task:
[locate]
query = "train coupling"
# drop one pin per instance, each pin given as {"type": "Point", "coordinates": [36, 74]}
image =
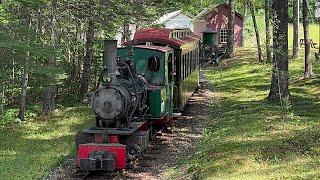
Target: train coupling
{"type": "Point", "coordinates": [98, 160]}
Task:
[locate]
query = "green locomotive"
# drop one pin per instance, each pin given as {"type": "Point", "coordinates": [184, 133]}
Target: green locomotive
{"type": "Point", "coordinates": [140, 88]}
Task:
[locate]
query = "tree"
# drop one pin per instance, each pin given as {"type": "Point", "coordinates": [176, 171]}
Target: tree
{"type": "Point", "coordinates": [268, 35]}
{"type": "Point", "coordinates": [24, 86]}
{"type": "Point", "coordinates": [195, 7]}
{"type": "Point", "coordinates": [50, 90]}
{"type": "Point", "coordinates": [244, 21]}
{"type": "Point", "coordinates": [279, 82]}
{"type": "Point", "coordinates": [89, 53]}
{"type": "Point", "coordinates": [63, 43]}
{"type": "Point", "coordinates": [295, 53]}
{"type": "Point", "coordinates": [230, 40]}
{"type": "Point", "coordinates": [114, 14]}
{"type": "Point", "coordinates": [308, 73]}
{"type": "Point", "coordinates": [20, 45]}
{"type": "Point", "coordinates": [25, 76]}
{"type": "Point", "coordinates": [251, 7]}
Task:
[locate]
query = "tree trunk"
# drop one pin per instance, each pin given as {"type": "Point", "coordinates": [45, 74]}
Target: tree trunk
{"type": "Point", "coordinates": [24, 80]}
{"type": "Point", "coordinates": [24, 86]}
{"type": "Point", "coordinates": [126, 33]}
{"type": "Point", "coordinates": [231, 15]}
{"type": "Point", "coordinates": [250, 5]}
{"type": "Point", "coordinates": [71, 55]}
{"type": "Point", "coordinates": [279, 82]}
{"type": "Point", "coordinates": [268, 35]}
{"type": "Point", "coordinates": [78, 50]}
{"type": "Point", "coordinates": [295, 53]}
{"type": "Point", "coordinates": [89, 58]}
{"type": "Point", "coordinates": [308, 73]}
{"type": "Point", "coordinates": [2, 100]}
{"type": "Point", "coordinates": [50, 90]}
{"type": "Point", "coordinates": [243, 35]}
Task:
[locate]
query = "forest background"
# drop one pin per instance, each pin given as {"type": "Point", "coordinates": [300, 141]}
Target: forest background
{"type": "Point", "coordinates": [50, 51]}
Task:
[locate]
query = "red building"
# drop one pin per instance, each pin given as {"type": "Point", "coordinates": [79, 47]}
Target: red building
{"type": "Point", "coordinates": [216, 18]}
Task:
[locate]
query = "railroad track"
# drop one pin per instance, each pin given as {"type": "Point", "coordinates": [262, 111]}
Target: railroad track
{"type": "Point", "coordinates": [154, 154]}
{"type": "Point", "coordinates": [103, 176]}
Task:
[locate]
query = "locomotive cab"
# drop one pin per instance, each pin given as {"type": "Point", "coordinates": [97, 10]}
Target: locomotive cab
{"type": "Point", "coordinates": [156, 65]}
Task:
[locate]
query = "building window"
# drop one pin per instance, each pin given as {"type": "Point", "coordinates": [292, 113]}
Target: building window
{"type": "Point", "coordinates": [223, 35]}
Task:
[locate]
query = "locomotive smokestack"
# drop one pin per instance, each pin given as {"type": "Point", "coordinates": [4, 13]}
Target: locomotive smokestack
{"type": "Point", "coordinates": [110, 56]}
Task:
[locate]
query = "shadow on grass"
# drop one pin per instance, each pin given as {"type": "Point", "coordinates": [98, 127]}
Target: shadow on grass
{"type": "Point", "coordinates": [246, 137]}
{"type": "Point", "coordinates": [251, 133]}
{"type": "Point", "coordinates": [29, 150]}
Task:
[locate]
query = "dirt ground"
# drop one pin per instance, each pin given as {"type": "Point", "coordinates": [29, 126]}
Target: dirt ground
{"type": "Point", "coordinates": [167, 151]}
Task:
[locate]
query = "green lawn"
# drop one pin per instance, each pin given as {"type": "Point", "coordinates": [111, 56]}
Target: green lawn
{"type": "Point", "coordinates": [30, 150]}
{"type": "Point", "coordinates": [313, 30]}
{"type": "Point", "coordinates": [245, 136]}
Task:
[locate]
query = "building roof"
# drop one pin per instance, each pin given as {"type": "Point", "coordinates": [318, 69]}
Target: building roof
{"type": "Point", "coordinates": [203, 14]}
{"type": "Point", "coordinates": [167, 17]}
{"type": "Point", "coordinates": [162, 35]}
{"type": "Point", "coordinates": [157, 48]}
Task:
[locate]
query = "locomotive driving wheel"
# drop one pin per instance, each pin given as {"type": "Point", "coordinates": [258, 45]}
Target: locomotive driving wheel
{"type": "Point", "coordinates": [133, 151]}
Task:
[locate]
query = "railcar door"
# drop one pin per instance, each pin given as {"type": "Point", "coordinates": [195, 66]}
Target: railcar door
{"type": "Point", "coordinates": [171, 73]}
{"type": "Point", "coordinates": [177, 80]}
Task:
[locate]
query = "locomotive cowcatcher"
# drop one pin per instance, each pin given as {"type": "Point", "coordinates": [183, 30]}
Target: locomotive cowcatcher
{"type": "Point", "coordinates": [134, 100]}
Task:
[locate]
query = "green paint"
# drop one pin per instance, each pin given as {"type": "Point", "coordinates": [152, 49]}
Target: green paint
{"type": "Point", "coordinates": [157, 104]}
{"type": "Point", "coordinates": [187, 87]}
{"type": "Point", "coordinates": [140, 58]}
{"type": "Point", "coordinates": [210, 37]}
{"type": "Point", "coordinates": [161, 94]}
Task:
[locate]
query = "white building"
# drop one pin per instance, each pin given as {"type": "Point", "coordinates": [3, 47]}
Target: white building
{"type": "Point", "coordinates": [176, 19]}
{"type": "Point", "coordinates": [171, 20]}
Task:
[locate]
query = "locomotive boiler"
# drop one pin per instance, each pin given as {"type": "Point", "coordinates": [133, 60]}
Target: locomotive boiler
{"type": "Point", "coordinates": [122, 92]}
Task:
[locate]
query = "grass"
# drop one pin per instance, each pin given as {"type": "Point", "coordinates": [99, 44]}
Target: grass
{"type": "Point", "coordinates": [313, 31]}
{"type": "Point", "coordinates": [245, 136]}
{"type": "Point", "coordinates": [30, 150]}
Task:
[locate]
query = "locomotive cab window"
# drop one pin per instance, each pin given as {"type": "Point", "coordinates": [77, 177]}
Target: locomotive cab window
{"type": "Point", "coordinates": [153, 64]}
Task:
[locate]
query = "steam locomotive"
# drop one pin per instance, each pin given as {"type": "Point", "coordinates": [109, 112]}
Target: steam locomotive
{"type": "Point", "coordinates": [141, 85]}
